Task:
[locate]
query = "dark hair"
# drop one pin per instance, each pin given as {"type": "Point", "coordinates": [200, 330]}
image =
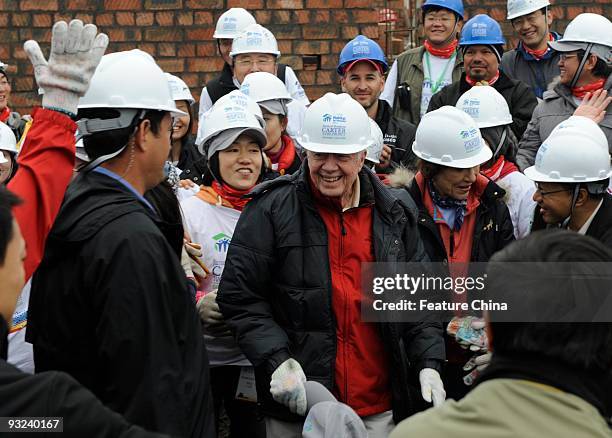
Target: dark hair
{"type": "Point", "coordinates": [8, 200]}
{"type": "Point", "coordinates": [103, 143]}
{"type": "Point", "coordinates": [493, 135]}
{"type": "Point", "coordinates": [186, 139]}
{"type": "Point", "coordinates": [585, 346]}
{"type": "Point", "coordinates": [429, 170]}
{"type": "Point", "coordinates": [601, 69]}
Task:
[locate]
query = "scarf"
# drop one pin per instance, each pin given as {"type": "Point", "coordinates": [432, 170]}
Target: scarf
{"type": "Point", "coordinates": [539, 54]}
{"type": "Point", "coordinates": [499, 169]}
{"type": "Point", "coordinates": [231, 195]}
{"type": "Point", "coordinates": [472, 82]}
{"type": "Point", "coordinates": [581, 91]}
{"type": "Point", "coordinates": [444, 52]}
{"type": "Point", "coordinates": [445, 202]}
{"type": "Point", "coordinates": [285, 156]}
{"type": "Point", "coordinates": [4, 115]}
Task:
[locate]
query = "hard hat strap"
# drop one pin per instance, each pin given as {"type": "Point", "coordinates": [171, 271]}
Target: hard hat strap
{"type": "Point", "coordinates": [584, 60]}
{"type": "Point", "coordinates": [502, 140]}
{"type": "Point", "coordinates": [574, 199]}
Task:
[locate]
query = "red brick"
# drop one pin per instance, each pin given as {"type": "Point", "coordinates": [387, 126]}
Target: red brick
{"type": "Point", "coordinates": [285, 4]}
{"type": "Point", "coordinates": [339, 16]}
{"type": "Point", "coordinates": [105, 20]}
{"type": "Point", "coordinates": [192, 80]}
{"type": "Point", "coordinates": [42, 20]}
{"type": "Point", "coordinates": [337, 46]}
{"type": "Point", "coordinates": [284, 46]}
{"type": "Point", "coordinates": [62, 16]}
{"type": "Point", "coordinates": [370, 31]}
{"type": "Point", "coordinates": [161, 34]}
{"type": "Point", "coordinates": [205, 4]}
{"type": "Point", "coordinates": [124, 35]}
{"type": "Point", "coordinates": [263, 17]}
{"type": "Point", "coordinates": [319, 17]}
{"type": "Point", "coordinates": [122, 5]}
{"type": "Point", "coordinates": [186, 50]}
{"type": "Point", "coordinates": [163, 4]}
{"type": "Point", "coordinates": [206, 49]}
{"type": "Point", "coordinates": [295, 62]}
{"type": "Point", "coordinates": [573, 11]}
{"type": "Point", "coordinates": [184, 18]}
{"type": "Point", "coordinates": [350, 32]}
{"type": "Point", "coordinates": [286, 32]}
{"type": "Point", "coordinates": [358, 4]}
{"type": "Point", "coordinates": [144, 18]}
{"type": "Point", "coordinates": [315, 92]}
{"type": "Point", "coordinates": [364, 16]}
{"type": "Point", "coordinates": [125, 18]}
{"type": "Point", "coordinates": [300, 17]}
{"type": "Point", "coordinates": [329, 61]}
{"type": "Point", "coordinates": [320, 32]}
{"type": "Point", "coordinates": [21, 20]}
{"type": "Point", "coordinates": [306, 77]}
{"type": "Point", "coordinates": [246, 4]}
{"type": "Point", "coordinates": [85, 18]}
{"type": "Point", "coordinates": [18, 53]}
{"type": "Point", "coordinates": [594, 10]}
{"type": "Point", "coordinates": [498, 14]}
{"type": "Point", "coordinates": [4, 19]}
{"type": "Point", "coordinates": [558, 12]}
{"type": "Point", "coordinates": [21, 83]}
{"type": "Point", "coordinates": [81, 4]}
{"type": "Point", "coordinates": [203, 17]}
{"type": "Point", "coordinates": [172, 65]}
{"type": "Point", "coordinates": [205, 64]}
{"type": "Point", "coordinates": [200, 34]}
{"type": "Point", "coordinates": [311, 47]}
{"type": "Point", "coordinates": [326, 77]}
{"type": "Point", "coordinates": [38, 5]}
{"type": "Point", "coordinates": [323, 4]}
{"type": "Point", "coordinates": [165, 18]}
{"type": "Point", "coordinates": [5, 51]}
{"type": "Point", "coordinates": [281, 17]}
{"type": "Point", "coordinates": [166, 49]}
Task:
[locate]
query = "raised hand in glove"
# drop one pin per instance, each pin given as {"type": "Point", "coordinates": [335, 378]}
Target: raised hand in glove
{"type": "Point", "coordinates": [210, 314]}
{"type": "Point", "coordinates": [287, 386]}
{"type": "Point", "coordinates": [76, 51]}
{"type": "Point", "coordinates": [432, 388]}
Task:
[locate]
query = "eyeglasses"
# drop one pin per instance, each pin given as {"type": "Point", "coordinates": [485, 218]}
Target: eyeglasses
{"type": "Point", "coordinates": [529, 19]}
{"type": "Point", "coordinates": [443, 20]}
{"type": "Point", "coordinates": [253, 62]}
{"type": "Point", "coordinates": [550, 192]}
{"type": "Point", "coordinates": [563, 57]}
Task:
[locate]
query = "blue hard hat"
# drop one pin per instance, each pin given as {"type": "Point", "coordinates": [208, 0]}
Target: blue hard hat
{"type": "Point", "coordinates": [362, 48]}
{"type": "Point", "coordinates": [452, 5]}
{"type": "Point", "coordinates": [481, 29]}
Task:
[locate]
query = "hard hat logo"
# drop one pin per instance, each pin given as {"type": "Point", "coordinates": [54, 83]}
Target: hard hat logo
{"type": "Point", "coordinates": [230, 24]}
{"type": "Point", "coordinates": [479, 30]}
{"type": "Point", "coordinates": [332, 128]}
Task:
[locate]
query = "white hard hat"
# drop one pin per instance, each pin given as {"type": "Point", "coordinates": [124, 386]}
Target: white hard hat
{"type": "Point", "coordinates": [80, 152]}
{"type": "Point", "coordinates": [234, 110]}
{"type": "Point", "coordinates": [517, 8]}
{"type": "Point", "coordinates": [375, 146]}
{"type": "Point", "coordinates": [571, 155]}
{"type": "Point", "coordinates": [179, 89]}
{"type": "Point", "coordinates": [335, 124]}
{"type": "Point", "coordinates": [587, 126]}
{"type": "Point", "coordinates": [255, 39]}
{"type": "Point", "coordinates": [232, 22]}
{"type": "Point", "coordinates": [7, 141]}
{"type": "Point", "coordinates": [130, 79]}
{"type": "Point", "coordinates": [486, 106]}
{"type": "Point", "coordinates": [450, 137]}
{"type": "Point", "coordinates": [587, 29]}
{"type": "Point", "coordinates": [261, 86]}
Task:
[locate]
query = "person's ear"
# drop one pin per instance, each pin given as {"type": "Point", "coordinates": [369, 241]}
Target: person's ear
{"type": "Point", "coordinates": [284, 122]}
{"type": "Point", "coordinates": [583, 197]}
{"type": "Point", "coordinates": [459, 27]}
{"type": "Point", "coordinates": [342, 80]}
{"type": "Point", "coordinates": [549, 17]}
{"type": "Point", "coordinates": [142, 135]}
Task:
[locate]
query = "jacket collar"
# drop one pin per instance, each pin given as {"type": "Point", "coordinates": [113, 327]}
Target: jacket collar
{"type": "Point", "coordinates": [557, 89]}
{"type": "Point", "coordinates": [603, 219]}
{"type": "Point", "coordinates": [417, 61]}
{"type": "Point", "coordinates": [227, 76]}
{"type": "Point", "coordinates": [383, 114]}
{"type": "Point", "coordinates": [528, 57]}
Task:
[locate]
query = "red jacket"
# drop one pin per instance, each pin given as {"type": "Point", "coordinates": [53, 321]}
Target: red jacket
{"type": "Point", "coordinates": [362, 369]}
{"type": "Point", "coordinates": [46, 162]}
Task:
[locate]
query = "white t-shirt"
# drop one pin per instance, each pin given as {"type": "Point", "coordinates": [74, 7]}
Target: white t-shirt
{"type": "Point", "coordinates": [388, 93]}
{"type": "Point", "coordinates": [432, 77]}
{"type": "Point", "coordinates": [519, 199]}
{"type": "Point", "coordinates": [20, 352]}
{"type": "Point", "coordinates": [212, 227]}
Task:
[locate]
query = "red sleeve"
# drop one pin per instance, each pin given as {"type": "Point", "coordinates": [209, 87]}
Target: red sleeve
{"type": "Point", "coordinates": [46, 161]}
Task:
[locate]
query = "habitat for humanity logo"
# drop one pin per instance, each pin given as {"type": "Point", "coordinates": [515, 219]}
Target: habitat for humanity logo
{"type": "Point", "coordinates": [361, 48]}
{"type": "Point", "coordinates": [222, 242]}
{"type": "Point", "coordinates": [333, 126]}
{"type": "Point", "coordinates": [472, 140]}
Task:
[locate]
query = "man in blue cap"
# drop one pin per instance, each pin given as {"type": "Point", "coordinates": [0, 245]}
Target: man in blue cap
{"type": "Point", "coordinates": [482, 44]}
{"type": "Point", "coordinates": [419, 73]}
{"type": "Point", "coordinates": [362, 67]}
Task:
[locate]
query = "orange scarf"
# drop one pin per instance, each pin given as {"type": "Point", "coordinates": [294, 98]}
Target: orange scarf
{"type": "Point", "coordinates": [538, 54]}
{"type": "Point", "coordinates": [472, 82]}
{"type": "Point", "coordinates": [231, 195]}
{"type": "Point", "coordinates": [444, 52]}
{"type": "Point", "coordinates": [285, 156]}
{"type": "Point", "coordinates": [581, 91]}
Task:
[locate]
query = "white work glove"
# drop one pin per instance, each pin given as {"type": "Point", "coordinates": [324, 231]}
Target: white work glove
{"type": "Point", "coordinates": [210, 314]}
{"type": "Point", "coordinates": [76, 51]}
{"type": "Point", "coordinates": [476, 364]}
{"type": "Point", "coordinates": [432, 388]}
{"type": "Point", "coordinates": [195, 251]}
{"type": "Point", "coordinates": [287, 386]}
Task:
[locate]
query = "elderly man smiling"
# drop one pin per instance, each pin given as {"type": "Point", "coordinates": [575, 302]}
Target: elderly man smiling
{"type": "Point", "coordinates": [291, 288]}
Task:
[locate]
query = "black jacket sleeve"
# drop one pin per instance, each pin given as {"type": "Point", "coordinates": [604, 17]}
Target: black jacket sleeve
{"type": "Point", "coordinates": [524, 102]}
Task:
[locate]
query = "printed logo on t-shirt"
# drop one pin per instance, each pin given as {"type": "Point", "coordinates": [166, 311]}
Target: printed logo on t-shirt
{"type": "Point", "coordinates": [222, 242]}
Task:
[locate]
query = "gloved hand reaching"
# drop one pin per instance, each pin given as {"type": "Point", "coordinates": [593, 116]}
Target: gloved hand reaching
{"type": "Point", "coordinates": [211, 316]}
{"type": "Point", "coordinates": [76, 51]}
{"type": "Point", "coordinates": [287, 386]}
{"type": "Point", "coordinates": [432, 388]}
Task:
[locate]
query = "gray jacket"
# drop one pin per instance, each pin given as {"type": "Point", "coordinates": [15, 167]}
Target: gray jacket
{"type": "Point", "coordinates": [557, 105]}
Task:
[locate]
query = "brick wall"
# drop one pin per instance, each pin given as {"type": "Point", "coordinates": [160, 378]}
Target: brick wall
{"type": "Point", "coordinates": [178, 33]}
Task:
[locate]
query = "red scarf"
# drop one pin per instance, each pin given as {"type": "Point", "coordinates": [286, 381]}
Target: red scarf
{"type": "Point", "coordinates": [472, 82]}
{"type": "Point", "coordinates": [285, 156]}
{"type": "Point", "coordinates": [4, 115]}
{"type": "Point", "coordinates": [538, 54]}
{"type": "Point", "coordinates": [499, 169]}
{"type": "Point", "coordinates": [444, 52]}
{"type": "Point", "coordinates": [579, 92]}
{"type": "Point", "coordinates": [231, 195]}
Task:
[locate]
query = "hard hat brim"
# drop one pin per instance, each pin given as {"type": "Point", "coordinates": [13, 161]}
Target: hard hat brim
{"type": "Point", "coordinates": [565, 46]}
{"type": "Point", "coordinates": [484, 155]}
{"type": "Point", "coordinates": [257, 133]}
{"type": "Point", "coordinates": [332, 148]}
{"type": "Point", "coordinates": [535, 175]}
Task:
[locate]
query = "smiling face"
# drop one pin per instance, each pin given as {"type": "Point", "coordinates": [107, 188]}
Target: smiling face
{"type": "Point", "coordinates": [253, 62]}
{"type": "Point", "coordinates": [554, 201]}
{"type": "Point", "coordinates": [5, 92]}
{"type": "Point", "coordinates": [455, 183]}
{"type": "Point", "coordinates": [275, 126]}
{"type": "Point", "coordinates": [224, 45]}
{"type": "Point", "coordinates": [480, 62]}
{"type": "Point", "coordinates": [532, 29]}
{"type": "Point", "coordinates": [240, 164]}
{"type": "Point", "coordinates": [364, 83]}
{"type": "Point", "coordinates": [181, 123]}
{"type": "Point", "coordinates": [440, 26]}
{"type": "Point", "coordinates": [334, 174]}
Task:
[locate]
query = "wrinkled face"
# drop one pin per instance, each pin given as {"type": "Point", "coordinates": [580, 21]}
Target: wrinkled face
{"type": "Point", "coordinates": [364, 83]}
{"type": "Point", "coordinates": [253, 62]}
{"type": "Point", "coordinates": [240, 164]}
{"type": "Point", "coordinates": [334, 174]}
{"type": "Point", "coordinates": [480, 63]}
{"type": "Point", "coordinates": [225, 47]}
{"type": "Point", "coordinates": [6, 168]}
{"type": "Point", "coordinates": [5, 92]}
{"type": "Point", "coordinates": [181, 123]}
{"type": "Point", "coordinates": [554, 201]}
{"type": "Point", "coordinates": [455, 183]}
{"type": "Point", "coordinates": [532, 28]}
{"type": "Point", "coordinates": [275, 125]}
{"type": "Point", "coordinates": [439, 26]}
{"type": "Point", "coordinates": [12, 274]}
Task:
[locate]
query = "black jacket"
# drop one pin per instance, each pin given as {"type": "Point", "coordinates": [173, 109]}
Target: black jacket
{"type": "Point", "coordinates": [110, 306]}
{"type": "Point", "coordinates": [222, 84]}
{"type": "Point", "coordinates": [492, 232]}
{"type": "Point", "coordinates": [275, 292]}
{"type": "Point", "coordinates": [56, 394]}
{"type": "Point", "coordinates": [399, 135]}
{"type": "Point", "coordinates": [521, 99]}
{"type": "Point", "coordinates": [189, 154]}
{"type": "Point", "coordinates": [601, 227]}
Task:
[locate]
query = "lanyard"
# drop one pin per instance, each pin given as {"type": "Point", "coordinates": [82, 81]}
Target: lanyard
{"type": "Point", "coordinates": [436, 85]}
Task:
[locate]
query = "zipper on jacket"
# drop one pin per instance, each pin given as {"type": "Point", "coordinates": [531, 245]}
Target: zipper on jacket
{"type": "Point", "coordinates": [342, 229]}
{"type": "Point", "coordinates": [345, 328]}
